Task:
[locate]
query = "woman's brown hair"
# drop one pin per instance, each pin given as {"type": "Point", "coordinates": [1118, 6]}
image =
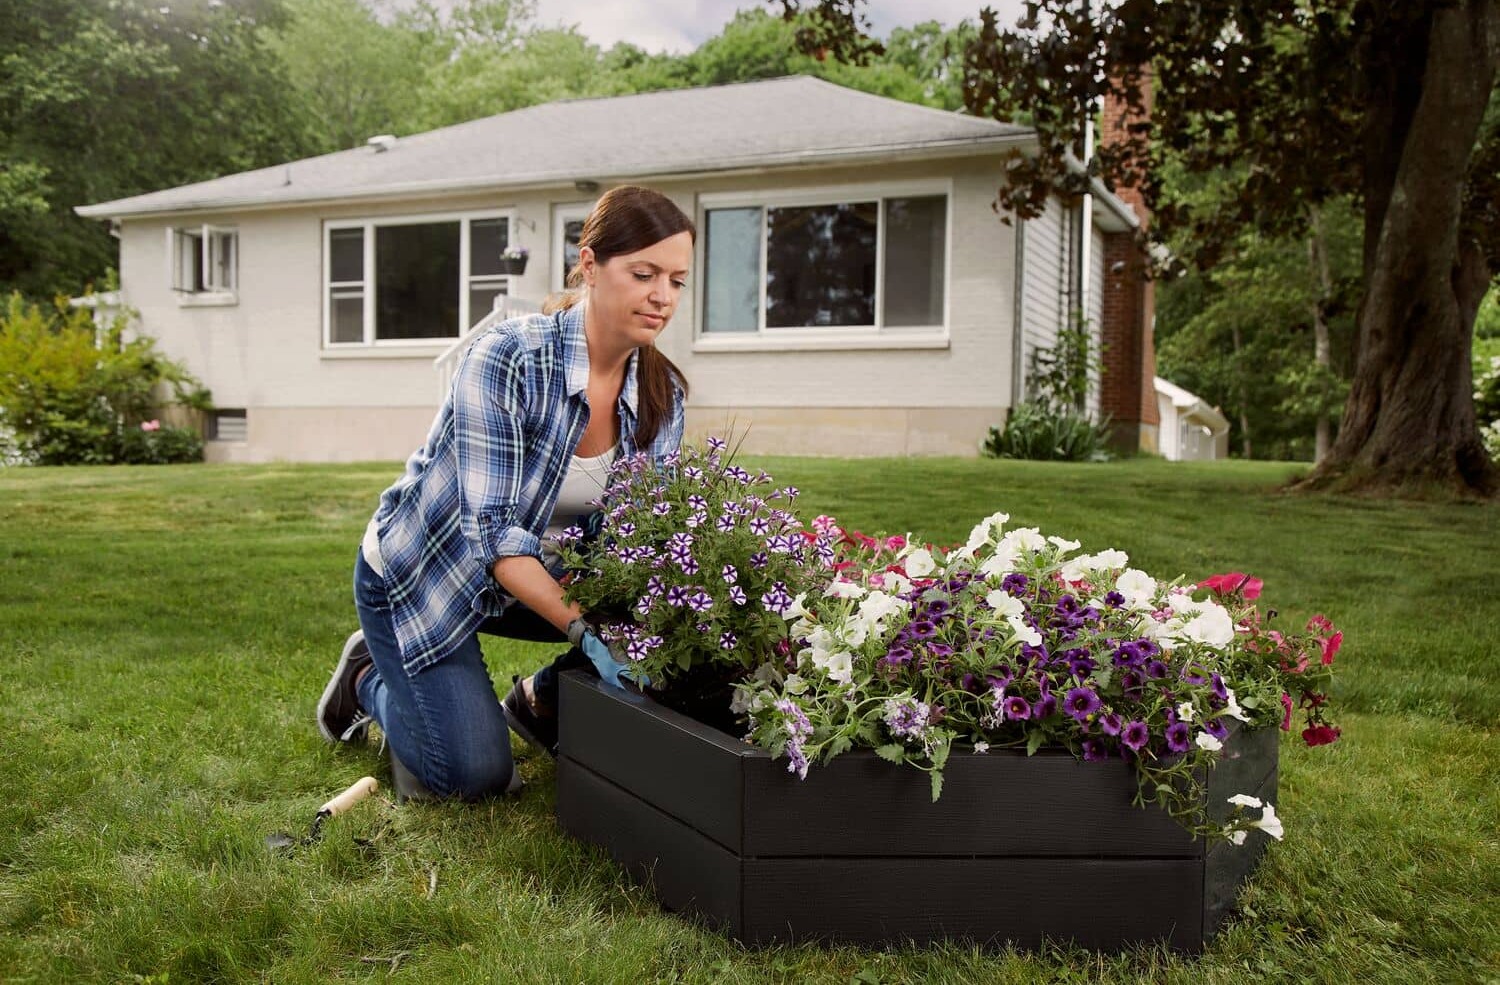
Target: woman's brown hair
{"type": "Point", "coordinates": [624, 220]}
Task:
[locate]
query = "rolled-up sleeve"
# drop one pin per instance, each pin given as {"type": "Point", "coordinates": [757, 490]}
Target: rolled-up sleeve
{"type": "Point", "coordinates": [489, 408]}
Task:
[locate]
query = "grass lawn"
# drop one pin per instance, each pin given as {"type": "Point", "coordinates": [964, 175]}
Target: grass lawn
{"type": "Point", "coordinates": [165, 633]}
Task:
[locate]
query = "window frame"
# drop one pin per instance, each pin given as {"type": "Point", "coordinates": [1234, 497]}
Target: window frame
{"type": "Point", "coordinates": [877, 335]}
{"type": "Point", "coordinates": [562, 212]}
{"type": "Point", "coordinates": [368, 287]}
{"type": "Point", "coordinates": [208, 244]}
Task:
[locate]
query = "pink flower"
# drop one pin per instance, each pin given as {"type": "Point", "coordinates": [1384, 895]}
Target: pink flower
{"type": "Point", "coordinates": [152, 425]}
{"type": "Point", "coordinates": [1286, 712]}
{"type": "Point", "coordinates": [1320, 735]}
{"type": "Point", "coordinates": [895, 543]}
{"type": "Point", "coordinates": [1234, 581]}
{"type": "Point", "coordinates": [1331, 647]}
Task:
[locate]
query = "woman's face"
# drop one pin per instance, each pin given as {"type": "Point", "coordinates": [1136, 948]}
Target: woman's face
{"type": "Point", "coordinates": [635, 294]}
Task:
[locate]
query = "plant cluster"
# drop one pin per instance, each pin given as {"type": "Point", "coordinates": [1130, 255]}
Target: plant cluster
{"type": "Point", "coordinates": [840, 640]}
{"type": "Point", "coordinates": [1053, 424]}
{"type": "Point", "coordinates": [1487, 406]}
{"type": "Point", "coordinates": [72, 394]}
{"type": "Point", "coordinates": [696, 561]}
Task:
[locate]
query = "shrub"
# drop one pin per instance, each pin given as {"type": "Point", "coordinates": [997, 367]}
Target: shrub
{"type": "Point", "coordinates": [1042, 434]}
{"type": "Point", "coordinates": [70, 394]}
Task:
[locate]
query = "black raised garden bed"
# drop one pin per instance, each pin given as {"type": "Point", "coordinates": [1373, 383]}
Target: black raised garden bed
{"type": "Point", "coordinates": [1018, 849]}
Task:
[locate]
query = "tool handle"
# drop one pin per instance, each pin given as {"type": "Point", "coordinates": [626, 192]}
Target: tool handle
{"type": "Point", "coordinates": [360, 789]}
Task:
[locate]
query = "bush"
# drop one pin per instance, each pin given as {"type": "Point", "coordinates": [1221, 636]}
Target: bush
{"type": "Point", "coordinates": [69, 395]}
{"type": "Point", "coordinates": [1044, 434]}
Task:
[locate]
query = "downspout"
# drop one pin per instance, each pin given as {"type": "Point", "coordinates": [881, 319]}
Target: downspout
{"type": "Point", "coordinates": [1018, 336]}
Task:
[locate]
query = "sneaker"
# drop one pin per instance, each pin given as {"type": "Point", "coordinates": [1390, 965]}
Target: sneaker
{"type": "Point", "coordinates": [538, 730]}
{"type": "Point", "coordinates": [340, 718]}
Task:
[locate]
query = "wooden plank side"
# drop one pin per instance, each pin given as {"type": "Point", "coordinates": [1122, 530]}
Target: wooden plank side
{"type": "Point", "coordinates": [1104, 904]}
{"type": "Point", "coordinates": [687, 872]}
{"type": "Point", "coordinates": [1003, 803]}
{"type": "Point", "coordinates": [1227, 867]}
{"type": "Point", "coordinates": [688, 770]}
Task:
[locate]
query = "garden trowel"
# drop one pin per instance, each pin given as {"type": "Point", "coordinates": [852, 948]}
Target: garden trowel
{"type": "Point", "coordinates": [357, 792]}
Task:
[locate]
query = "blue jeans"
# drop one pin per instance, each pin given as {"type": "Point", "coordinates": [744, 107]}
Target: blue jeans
{"type": "Point", "coordinates": [445, 722]}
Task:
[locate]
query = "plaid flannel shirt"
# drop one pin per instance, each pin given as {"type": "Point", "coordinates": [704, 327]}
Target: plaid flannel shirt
{"type": "Point", "coordinates": [484, 483]}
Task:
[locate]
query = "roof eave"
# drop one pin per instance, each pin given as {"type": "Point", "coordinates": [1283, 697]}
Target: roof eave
{"type": "Point", "coordinates": [955, 148]}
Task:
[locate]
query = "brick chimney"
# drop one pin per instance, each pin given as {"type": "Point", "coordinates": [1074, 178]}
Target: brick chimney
{"type": "Point", "coordinates": [1127, 389]}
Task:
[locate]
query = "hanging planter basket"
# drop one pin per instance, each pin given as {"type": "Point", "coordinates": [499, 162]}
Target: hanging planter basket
{"type": "Point", "coordinates": [513, 266]}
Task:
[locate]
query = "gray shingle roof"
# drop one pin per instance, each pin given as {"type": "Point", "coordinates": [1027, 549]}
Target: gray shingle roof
{"type": "Point", "coordinates": [787, 121]}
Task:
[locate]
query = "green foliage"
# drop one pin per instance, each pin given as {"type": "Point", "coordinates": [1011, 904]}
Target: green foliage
{"type": "Point", "coordinates": [1041, 434]}
{"type": "Point", "coordinates": [1487, 322]}
{"type": "Point", "coordinates": [69, 395]}
{"type": "Point", "coordinates": [1240, 334]}
{"type": "Point", "coordinates": [1053, 425]}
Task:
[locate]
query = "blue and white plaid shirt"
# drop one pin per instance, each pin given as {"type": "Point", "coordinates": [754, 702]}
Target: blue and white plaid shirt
{"type": "Point", "coordinates": [484, 484]}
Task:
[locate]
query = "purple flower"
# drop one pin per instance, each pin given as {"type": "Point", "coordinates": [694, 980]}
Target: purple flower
{"type": "Point", "coordinates": [823, 550]}
{"type": "Point", "coordinates": [626, 529]}
{"type": "Point", "coordinates": [697, 502]}
{"type": "Point", "coordinates": [937, 608]}
{"type": "Point", "coordinates": [654, 586]}
{"type": "Point", "coordinates": [1131, 682]}
{"type": "Point", "coordinates": [1114, 599]}
{"type": "Point", "coordinates": [1156, 669]}
{"type": "Point", "coordinates": [724, 524]}
{"type": "Point", "coordinates": [1080, 667]}
{"type": "Point", "coordinates": [737, 474]}
{"type": "Point", "coordinates": [777, 600]}
{"type": "Point", "coordinates": [1220, 691]}
{"type": "Point", "coordinates": [759, 559]}
{"type": "Point", "coordinates": [907, 718]}
{"type": "Point", "coordinates": [1109, 723]}
{"type": "Point", "coordinates": [729, 575]}
{"type": "Point", "coordinates": [717, 444]}
{"type": "Point", "coordinates": [1094, 751]}
{"type": "Point", "coordinates": [1045, 705]}
{"type": "Point", "coordinates": [899, 656]}
{"type": "Point", "coordinates": [637, 650]}
{"type": "Point", "coordinates": [791, 493]}
{"type": "Point", "coordinates": [759, 525]}
{"type": "Point", "coordinates": [939, 651]}
{"type": "Point", "coordinates": [653, 642]}
{"type": "Point", "coordinates": [644, 605]}
{"type": "Point", "coordinates": [1081, 702]}
{"type": "Point", "coordinates": [1014, 584]}
{"type": "Point", "coordinates": [1128, 655]}
{"type": "Point", "coordinates": [569, 534]}
{"type": "Point", "coordinates": [694, 473]}
{"type": "Point", "coordinates": [680, 539]}
{"type": "Point", "coordinates": [680, 554]}
{"type": "Point", "coordinates": [780, 544]}
{"type": "Point", "coordinates": [1179, 737]}
{"type": "Point", "coordinates": [727, 640]}
{"type": "Point", "coordinates": [1017, 708]}
{"type": "Point", "coordinates": [1134, 736]}
{"type": "Point", "coordinates": [921, 629]}
{"type": "Point", "coordinates": [737, 595]}
{"type": "Point", "coordinates": [1216, 728]}
{"type": "Point", "coordinates": [700, 601]}
{"type": "Point", "coordinates": [677, 596]}
{"type": "Point", "coordinates": [661, 509]}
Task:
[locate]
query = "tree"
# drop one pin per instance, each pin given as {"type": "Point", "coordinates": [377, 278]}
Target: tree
{"type": "Point", "coordinates": [1392, 102]}
{"type": "Point", "coordinates": [105, 98]}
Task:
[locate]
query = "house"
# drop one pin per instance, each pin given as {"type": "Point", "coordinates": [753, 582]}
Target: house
{"type": "Point", "coordinates": [1191, 429]}
{"type": "Point", "coordinates": [854, 291]}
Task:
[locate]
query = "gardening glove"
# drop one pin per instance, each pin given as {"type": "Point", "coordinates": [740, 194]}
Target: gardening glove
{"type": "Point", "coordinates": [611, 671]}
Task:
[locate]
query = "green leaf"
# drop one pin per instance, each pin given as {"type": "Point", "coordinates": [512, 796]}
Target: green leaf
{"type": "Point", "coordinates": [894, 752]}
{"type": "Point", "coordinates": [937, 784]}
{"type": "Point", "coordinates": [1034, 742]}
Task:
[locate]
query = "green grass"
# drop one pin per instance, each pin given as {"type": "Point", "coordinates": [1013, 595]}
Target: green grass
{"type": "Point", "coordinates": [165, 633]}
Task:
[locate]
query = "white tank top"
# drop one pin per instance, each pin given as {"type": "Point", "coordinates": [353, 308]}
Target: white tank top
{"type": "Point", "coordinates": [586, 481]}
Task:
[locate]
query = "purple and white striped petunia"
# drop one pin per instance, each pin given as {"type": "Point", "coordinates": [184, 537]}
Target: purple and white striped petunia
{"type": "Point", "coordinates": [727, 640]}
{"type": "Point", "coordinates": [737, 595]}
{"type": "Point", "coordinates": [729, 575]}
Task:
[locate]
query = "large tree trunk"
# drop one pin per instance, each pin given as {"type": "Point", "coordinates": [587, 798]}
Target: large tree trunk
{"type": "Point", "coordinates": [1409, 420]}
{"type": "Point", "coordinates": [1317, 255]}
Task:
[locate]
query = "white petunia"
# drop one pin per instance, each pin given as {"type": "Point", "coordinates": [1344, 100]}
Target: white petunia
{"type": "Point", "coordinates": [1185, 711]}
{"type": "Point", "coordinates": [1024, 538]}
{"type": "Point", "coordinates": [1269, 823]}
{"type": "Point", "coordinates": [1245, 800]}
{"type": "Point", "coordinates": [1110, 560]}
{"type": "Point", "coordinates": [795, 684]}
{"type": "Point", "coordinates": [842, 588]}
{"type": "Point", "coordinates": [1138, 588]}
{"type": "Point", "coordinates": [797, 610]}
{"type": "Point", "coordinates": [801, 627]}
{"type": "Point", "coordinates": [1212, 625]}
{"type": "Point", "coordinates": [1002, 562]}
{"type": "Point", "coordinates": [742, 701]}
{"type": "Point", "coordinates": [1023, 632]}
{"type": "Point", "coordinates": [1234, 710]}
{"type": "Point", "coordinates": [840, 668]}
{"type": "Point", "coordinates": [854, 631]}
{"type": "Point", "coordinates": [1004, 603]}
{"type": "Point", "coordinates": [1063, 545]}
{"type": "Point", "coordinates": [919, 563]}
{"type": "Point", "coordinates": [894, 582]}
{"type": "Point", "coordinates": [980, 748]}
{"type": "Point", "coordinates": [1209, 742]}
{"type": "Point", "coordinates": [1236, 837]}
{"type": "Point", "coordinates": [767, 673]}
{"type": "Point", "coordinates": [877, 607]}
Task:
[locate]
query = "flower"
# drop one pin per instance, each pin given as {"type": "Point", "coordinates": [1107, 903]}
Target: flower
{"type": "Point", "coordinates": [1234, 581]}
{"type": "Point", "coordinates": [1320, 735]}
{"type": "Point", "coordinates": [514, 253]}
{"type": "Point", "coordinates": [151, 425]}
{"type": "Point", "coordinates": [1244, 800]}
{"type": "Point", "coordinates": [1178, 735]}
{"type": "Point", "coordinates": [1269, 823]}
{"type": "Point", "coordinates": [1286, 714]}
{"type": "Point", "coordinates": [919, 563]}
{"type": "Point", "coordinates": [1081, 702]}
{"type": "Point", "coordinates": [1205, 740]}
{"type": "Point", "coordinates": [1138, 588]}
{"type": "Point", "coordinates": [1134, 736]}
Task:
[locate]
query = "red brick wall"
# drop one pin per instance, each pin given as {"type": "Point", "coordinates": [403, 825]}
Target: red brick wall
{"type": "Point", "coordinates": [1127, 391]}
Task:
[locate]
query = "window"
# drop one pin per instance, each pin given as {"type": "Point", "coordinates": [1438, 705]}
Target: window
{"type": "Point", "coordinates": [567, 230]}
{"type": "Point", "coordinates": [205, 259]}
{"type": "Point", "coordinates": [832, 262]}
{"type": "Point", "coordinates": [228, 425]}
{"type": "Point", "coordinates": [411, 280]}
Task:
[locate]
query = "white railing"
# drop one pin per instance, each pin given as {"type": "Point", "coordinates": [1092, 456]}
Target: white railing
{"type": "Point", "coordinates": [505, 307]}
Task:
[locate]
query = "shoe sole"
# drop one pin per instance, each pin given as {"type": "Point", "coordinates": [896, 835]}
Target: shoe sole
{"type": "Point", "coordinates": [351, 645]}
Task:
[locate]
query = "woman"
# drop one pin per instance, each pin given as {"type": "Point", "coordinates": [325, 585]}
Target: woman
{"type": "Point", "coordinates": [540, 405]}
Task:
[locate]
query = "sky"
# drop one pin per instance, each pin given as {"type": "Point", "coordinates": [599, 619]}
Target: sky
{"type": "Point", "coordinates": [682, 25]}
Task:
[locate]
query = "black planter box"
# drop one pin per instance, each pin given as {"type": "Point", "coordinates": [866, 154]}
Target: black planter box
{"type": "Point", "coordinates": [1018, 849]}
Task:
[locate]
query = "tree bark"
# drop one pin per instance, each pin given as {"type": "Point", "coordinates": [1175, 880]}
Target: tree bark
{"type": "Point", "coordinates": [1409, 421]}
{"type": "Point", "coordinates": [1244, 396]}
{"type": "Point", "coordinates": [1317, 255]}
